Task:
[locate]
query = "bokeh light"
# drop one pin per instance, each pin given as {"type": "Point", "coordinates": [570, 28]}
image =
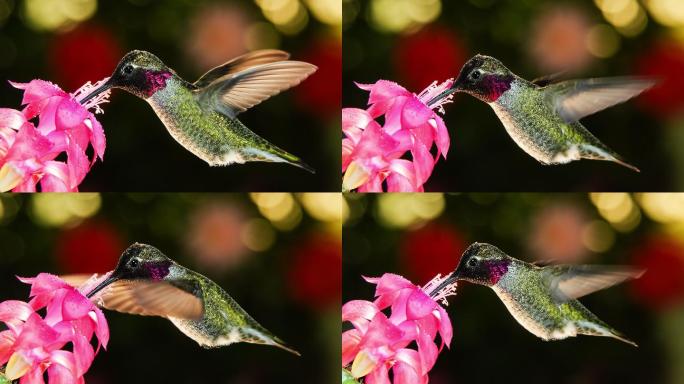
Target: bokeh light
{"type": "Point", "coordinates": [618, 209]}
{"type": "Point", "coordinates": [400, 210]}
{"type": "Point", "coordinates": [403, 15]}
{"type": "Point", "coordinates": [56, 14]}
{"type": "Point", "coordinates": [57, 210]}
{"type": "Point", "coordinates": [626, 15]}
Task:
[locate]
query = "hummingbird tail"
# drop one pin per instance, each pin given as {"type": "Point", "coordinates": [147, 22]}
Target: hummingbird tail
{"type": "Point", "coordinates": [262, 336]}
{"type": "Point", "coordinates": [618, 335]}
{"type": "Point", "coordinates": [595, 152]}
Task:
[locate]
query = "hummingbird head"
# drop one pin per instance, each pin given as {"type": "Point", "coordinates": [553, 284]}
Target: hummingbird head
{"type": "Point", "coordinates": [483, 264]}
{"type": "Point", "coordinates": [139, 72]}
{"type": "Point", "coordinates": [482, 76]}
{"type": "Point", "coordinates": [138, 262]}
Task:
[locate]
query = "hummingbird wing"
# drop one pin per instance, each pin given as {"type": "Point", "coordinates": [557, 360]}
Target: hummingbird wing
{"type": "Point", "coordinates": [567, 282]}
{"type": "Point", "coordinates": [236, 92]}
{"type": "Point", "coordinates": [543, 81]}
{"type": "Point", "coordinates": [575, 99]}
{"type": "Point", "coordinates": [151, 299]}
{"type": "Point", "coordinates": [241, 63]}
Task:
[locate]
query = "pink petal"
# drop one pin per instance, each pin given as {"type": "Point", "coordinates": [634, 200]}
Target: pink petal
{"type": "Point", "coordinates": [36, 333]}
{"type": "Point", "coordinates": [407, 368]}
{"type": "Point", "coordinates": [442, 136]}
{"type": "Point", "coordinates": [98, 139]}
{"type": "Point", "coordinates": [427, 352]}
{"type": "Point", "coordinates": [402, 178]}
{"type": "Point", "coordinates": [374, 184]}
{"type": "Point", "coordinates": [358, 310]}
{"type": "Point", "coordinates": [445, 330]}
{"type": "Point", "coordinates": [63, 369]}
{"type": "Point", "coordinates": [77, 164]}
{"type": "Point", "coordinates": [423, 162]}
{"type": "Point", "coordinates": [11, 118]}
{"type": "Point", "coordinates": [70, 114]}
{"type": "Point", "coordinates": [35, 376]}
{"type": "Point", "coordinates": [28, 145]}
{"type": "Point", "coordinates": [393, 115]}
{"type": "Point", "coordinates": [389, 283]}
{"type": "Point", "coordinates": [350, 346]}
{"type": "Point", "coordinates": [83, 355]}
{"type": "Point", "coordinates": [37, 90]}
{"type": "Point", "coordinates": [354, 121]}
{"type": "Point", "coordinates": [419, 305]}
{"type": "Point", "coordinates": [379, 375]}
{"type": "Point", "coordinates": [6, 343]}
{"type": "Point", "coordinates": [44, 283]}
{"type": "Point", "coordinates": [14, 311]}
{"type": "Point", "coordinates": [381, 332]}
{"type": "Point", "coordinates": [75, 305]}
{"type": "Point", "coordinates": [415, 113]}
{"type": "Point", "coordinates": [384, 90]}
{"type": "Point", "coordinates": [102, 329]}
{"type": "Point", "coordinates": [55, 178]}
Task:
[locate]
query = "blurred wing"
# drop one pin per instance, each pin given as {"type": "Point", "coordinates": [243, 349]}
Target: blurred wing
{"type": "Point", "coordinates": [576, 99]}
{"type": "Point", "coordinates": [151, 299]}
{"type": "Point", "coordinates": [240, 91]}
{"type": "Point", "coordinates": [571, 282]}
{"type": "Point", "coordinates": [241, 63]}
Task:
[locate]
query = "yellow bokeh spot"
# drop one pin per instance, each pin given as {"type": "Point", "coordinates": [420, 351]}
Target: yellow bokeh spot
{"type": "Point", "coordinates": [258, 235]}
{"type": "Point", "coordinates": [401, 15]}
{"type": "Point", "coordinates": [667, 12]}
{"type": "Point", "coordinates": [618, 209]}
{"type": "Point", "coordinates": [327, 11]}
{"type": "Point", "coordinates": [626, 15]}
{"type": "Point", "coordinates": [280, 209]}
{"type": "Point", "coordinates": [288, 16]}
{"type": "Point", "coordinates": [663, 207]}
{"type": "Point", "coordinates": [603, 41]}
{"type": "Point", "coordinates": [60, 209]}
{"type": "Point", "coordinates": [401, 210]}
{"type": "Point", "coordinates": [328, 207]}
{"type": "Point", "coordinates": [598, 236]}
{"type": "Point", "coordinates": [49, 15]}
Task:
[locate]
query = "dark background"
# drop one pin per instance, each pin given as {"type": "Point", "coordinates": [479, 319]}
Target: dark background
{"type": "Point", "coordinates": [190, 37]}
{"type": "Point", "coordinates": [292, 287]}
{"type": "Point", "coordinates": [489, 346]}
{"type": "Point", "coordinates": [533, 38]}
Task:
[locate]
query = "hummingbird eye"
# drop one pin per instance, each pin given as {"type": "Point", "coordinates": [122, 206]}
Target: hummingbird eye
{"type": "Point", "coordinates": [127, 69]}
{"type": "Point", "coordinates": [474, 75]}
{"type": "Point", "coordinates": [133, 263]}
{"type": "Point", "coordinates": [472, 262]}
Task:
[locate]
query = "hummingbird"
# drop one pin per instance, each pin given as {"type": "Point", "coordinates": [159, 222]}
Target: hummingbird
{"type": "Point", "coordinates": [542, 116]}
{"type": "Point", "coordinates": [147, 282]}
{"type": "Point", "coordinates": [202, 116]}
{"type": "Point", "coordinates": [543, 299]}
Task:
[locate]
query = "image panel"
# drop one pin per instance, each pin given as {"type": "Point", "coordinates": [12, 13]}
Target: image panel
{"type": "Point", "coordinates": [139, 96]}
{"type": "Point", "coordinates": [538, 95]}
{"type": "Point", "coordinates": [183, 288]}
{"type": "Point", "coordinates": [493, 287]}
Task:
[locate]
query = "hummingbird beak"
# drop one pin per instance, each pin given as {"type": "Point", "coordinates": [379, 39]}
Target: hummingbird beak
{"type": "Point", "coordinates": [102, 285]}
{"type": "Point", "coordinates": [449, 280]}
{"type": "Point", "coordinates": [454, 88]}
{"type": "Point", "coordinates": [107, 85]}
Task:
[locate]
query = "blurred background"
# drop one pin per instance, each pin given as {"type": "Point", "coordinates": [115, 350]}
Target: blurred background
{"type": "Point", "coordinates": [421, 235]}
{"type": "Point", "coordinates": [278, 255]}
{"type": "Point", "coordinates": [415, 42]}
{"type": "Point", "coordinates": [70, 42]}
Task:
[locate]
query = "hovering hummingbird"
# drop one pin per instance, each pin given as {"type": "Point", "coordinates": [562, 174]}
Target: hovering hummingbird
{"type": "Point", "coordinates": [146, 282]}
{"type": "Point", "coordinates": [542, 116]}
{"type": "Point", "coordinates": [202, 116]}
{"type": "Point", "coordinates": [542, 299]}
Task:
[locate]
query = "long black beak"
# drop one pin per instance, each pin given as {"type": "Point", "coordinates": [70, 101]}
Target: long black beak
{"type": "Point", "coordinates": [97, 91]}
{"type": "Point", "coordinates": [454, 88]}
{"type": "Point", "coordinates": [453, 277]}
{"type": "Point", "coordinates": [102, 285]}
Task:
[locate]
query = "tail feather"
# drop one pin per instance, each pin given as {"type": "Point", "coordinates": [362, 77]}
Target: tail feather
{"type": "Point", "coordinates": [264, 337]}
{"type": "Point", "coordinates": [597, 153]}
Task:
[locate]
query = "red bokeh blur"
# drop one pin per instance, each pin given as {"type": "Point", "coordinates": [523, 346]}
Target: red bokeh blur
{"type": "Point", "coordinates": [315, 272]}
{"type": "Point", "coordinates": [321, 93]}
{"type": "Point", "coordinates": [92, 247]}
{"type": "Point", "coordinates": [433, 53]}
{"type": "Point", "coordinates": [664, 61]}
{"type": "Point", "coordinates": [662, 286]}
{"type": "Point", "coordinates": [87, 53]}
{"type": "Point", "coordinates": [435, 248]}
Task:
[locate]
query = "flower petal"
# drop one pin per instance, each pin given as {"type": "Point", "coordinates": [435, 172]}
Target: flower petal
{"type": "Point", "coordinates": [419, 305]}
{"type": "Point", "coordinates": [350, 345]}
{"type": "Point", "coordinates": [441, 136]}
{"type": "Point", "coordinates": [423, 162]}
{"type": "Point", "coordinates": [11, 118]}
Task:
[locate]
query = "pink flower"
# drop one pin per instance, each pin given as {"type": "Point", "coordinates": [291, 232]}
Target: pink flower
{"type": "Point", "coordinates": [373, 155]}
{"type": "Point", "coordinates": [33, 345]}
{"type": "Point", "coordinates": [28, 152]}
{"type": "Point", "coordinates": [378, 343]}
